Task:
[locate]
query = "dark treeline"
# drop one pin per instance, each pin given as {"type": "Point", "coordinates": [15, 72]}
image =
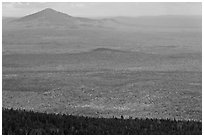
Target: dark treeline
{"type": "Point", "coordinates": [27, 122]}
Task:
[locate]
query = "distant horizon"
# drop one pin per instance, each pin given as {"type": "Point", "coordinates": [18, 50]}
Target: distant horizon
{"type": "Point", "coordinates": [105, 10]}
{"type": "Point", "coordinates": [103, 16]}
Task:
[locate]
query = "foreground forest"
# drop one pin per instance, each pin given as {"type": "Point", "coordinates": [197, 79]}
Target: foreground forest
{"type": "Point", "coordinates": [23, 122]}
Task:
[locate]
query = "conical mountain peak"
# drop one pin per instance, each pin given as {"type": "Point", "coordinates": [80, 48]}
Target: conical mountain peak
{"type": "Point", "coordinates": [46, 14]}
{"type": "Point", "coordinates": [49, 10]}
{"type": "Point", "coordinates": [49, 18]}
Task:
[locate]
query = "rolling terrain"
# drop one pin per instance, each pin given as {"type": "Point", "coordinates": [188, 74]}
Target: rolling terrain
{"type": "Point", "coordinates": [50, 31]}
{"type": "Point", "coordinates": [54, 62]}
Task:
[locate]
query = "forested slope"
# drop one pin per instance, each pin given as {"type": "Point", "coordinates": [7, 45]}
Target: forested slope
{"type": "Point", "coordinates": [23, 122]}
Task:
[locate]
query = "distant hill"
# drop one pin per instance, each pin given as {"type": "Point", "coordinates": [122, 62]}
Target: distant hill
{"type": "Point", "coordinates": [7, 19]}
{"type": "Point", "coordinates": [103, 58]}
{"type": "Point", "coordinates": [53, 17]}
{"type": "Point", "coordinates": [50, 31]}
{"type": "Point", "coordinates": [165, 21]}
{"type": "Point", "coordinates": [108, 50]}
{"type": "Point", "coordinates": [50, 17]}
{"type": "Point", "coordinates": [47, 15]}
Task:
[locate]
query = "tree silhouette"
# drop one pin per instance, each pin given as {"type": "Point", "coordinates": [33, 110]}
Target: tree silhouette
{"type": "Point", "coordinates": [21, 122]}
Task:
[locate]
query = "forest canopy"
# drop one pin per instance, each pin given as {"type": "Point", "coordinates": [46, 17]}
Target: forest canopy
{"type": "Point", "coordinates": [19, 122]}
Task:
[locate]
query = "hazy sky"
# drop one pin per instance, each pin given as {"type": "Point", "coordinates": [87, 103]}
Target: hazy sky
{"type": "Point", "coordinates": [98, 9]}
